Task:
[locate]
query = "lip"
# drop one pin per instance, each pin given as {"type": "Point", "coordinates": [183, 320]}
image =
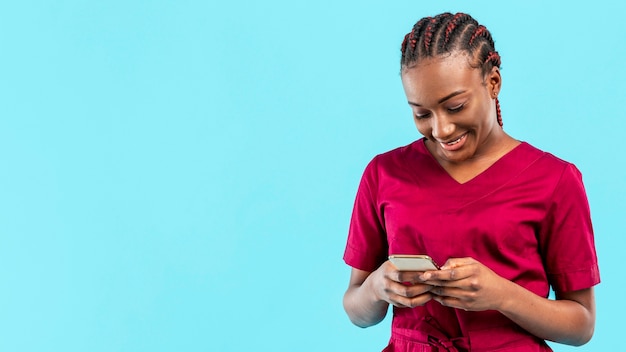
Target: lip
{"type": "Point", "coordinates": [456, 146]}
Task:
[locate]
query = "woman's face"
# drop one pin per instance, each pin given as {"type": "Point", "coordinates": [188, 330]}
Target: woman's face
{"type": "Point", "coordinates": [454, 107]}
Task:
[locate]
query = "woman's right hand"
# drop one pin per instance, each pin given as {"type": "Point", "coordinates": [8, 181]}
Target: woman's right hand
{"type": "Point", "coordinates": [402, 289]}
{"type": "Point", "coordinates": [369, 293]}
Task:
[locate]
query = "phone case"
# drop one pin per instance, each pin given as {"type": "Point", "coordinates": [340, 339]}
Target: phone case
{"type": "Point", "coordinates": [406, 262]}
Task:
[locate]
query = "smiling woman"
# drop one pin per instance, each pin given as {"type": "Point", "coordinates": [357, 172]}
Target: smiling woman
{"type": "Point", "coordinates": [505, 217]}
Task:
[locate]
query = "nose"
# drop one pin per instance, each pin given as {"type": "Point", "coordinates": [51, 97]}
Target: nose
{"type": "Point", "coordinates": [442, 127]}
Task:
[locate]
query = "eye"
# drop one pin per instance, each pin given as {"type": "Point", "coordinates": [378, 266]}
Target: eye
{"type": "Point", "coordinates": [457, 108]}
{"type": "Point", "coordinates": [422, 116]}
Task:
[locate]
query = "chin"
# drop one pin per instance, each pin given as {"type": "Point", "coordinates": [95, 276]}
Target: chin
{"type": "Point", "coordinates": [458, 156]}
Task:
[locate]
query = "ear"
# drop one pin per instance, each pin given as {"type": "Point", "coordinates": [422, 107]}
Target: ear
{"type": "Point", "coordinates": [494, 82]}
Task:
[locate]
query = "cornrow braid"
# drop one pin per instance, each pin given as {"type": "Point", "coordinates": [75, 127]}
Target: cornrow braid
{"type": "Point", "coordinates": [418, 31]}
{"type": "Point", "coordinates": [438, 39]}
{"type": "Point", "coordinates": [445, 34]}
{"type": "Point", "coordinates": [407, 38]}
{"type": "Point", "coordinates": [432, 35]}
{"type": "Point", "coordinates": [480, 30]}
{"type": "Point", "coordinates": [412, 40]}
{"type": "Point", "coordinates": [457, 19]}
{"type": "Point", "coordinates": [428, 35]}
{"type": "Point", "coordinates": [499, 113]}
{"type": "Point", "coordinates": [494, 59]}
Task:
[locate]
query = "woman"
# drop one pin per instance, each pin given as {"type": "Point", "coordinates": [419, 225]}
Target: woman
{"type": "Point", "coordinates": [507, 220]}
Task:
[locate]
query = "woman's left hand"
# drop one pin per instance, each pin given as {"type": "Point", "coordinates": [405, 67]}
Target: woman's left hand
{"type": "Point", "coordinates": [467, 284]}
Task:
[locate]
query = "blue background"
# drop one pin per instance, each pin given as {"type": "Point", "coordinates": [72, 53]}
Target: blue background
{"type": "Point", "coordinates": [179, 175]}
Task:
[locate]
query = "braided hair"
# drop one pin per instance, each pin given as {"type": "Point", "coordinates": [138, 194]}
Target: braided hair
{"type": "Point", "coordinates": [447, 33]}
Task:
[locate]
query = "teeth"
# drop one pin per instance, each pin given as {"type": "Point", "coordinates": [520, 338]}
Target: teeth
{"type": "Point", "coordinates": [455, 141]}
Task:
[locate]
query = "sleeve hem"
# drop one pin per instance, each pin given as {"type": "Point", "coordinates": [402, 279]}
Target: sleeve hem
{"type": "Point", "coordinates": [357, 261]}
{"type": "Point", "coordinates": [575, 280]}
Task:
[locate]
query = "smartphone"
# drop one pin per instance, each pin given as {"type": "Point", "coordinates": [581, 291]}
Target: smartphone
{"type": "Point", "coordinates": [409, 262]}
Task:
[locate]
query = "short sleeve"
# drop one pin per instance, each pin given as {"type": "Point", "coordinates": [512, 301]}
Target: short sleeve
{"type": "Point", "coordinates": [367, 247]}
{"type": "Point", "coordinates": [566, 237]}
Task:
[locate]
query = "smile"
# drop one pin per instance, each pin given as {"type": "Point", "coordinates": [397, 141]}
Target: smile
{"type": "Point", "coordinates": [456, 144]}
{"type": "Point", "coordinates": [457, 140]}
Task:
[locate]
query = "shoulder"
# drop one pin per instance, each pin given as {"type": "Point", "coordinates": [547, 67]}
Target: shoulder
{"type": "Point", "coordinates": [393, 164]}
{"type": "Point", "coordinates": [398, 157]}
{"type": "Point", "coordinates": [551, 169]}
{"type": "Point", "coordinates": [545, 160]}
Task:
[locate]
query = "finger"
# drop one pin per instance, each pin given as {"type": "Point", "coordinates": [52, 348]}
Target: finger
{"type": "Point", "coordinates": [421, 299]}
{"type": "Point", "coordinates": [443, 277]}
{"type": "Point", "coordinates": [398, 300]}
{"type": "Point", "coordinates": [407, 291]}
{"type": "Point", "coordinates": [457, 262]}
{"type": "Point", "coordinates": [401, 276]}
{"type": "Point", "coordinates": [452, 292]}
{"type": "Point", "coordinates": [451, 302]}
{"type": "Point", "coordinates": [412, 277]}
{"type": "Point", "coordinates": [394, 274]}
{"type": "Point", "coordinates": [404, 302]}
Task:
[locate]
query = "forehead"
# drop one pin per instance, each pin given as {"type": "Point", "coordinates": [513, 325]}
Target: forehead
{"type": "Point", "coordinates": [433, 78]}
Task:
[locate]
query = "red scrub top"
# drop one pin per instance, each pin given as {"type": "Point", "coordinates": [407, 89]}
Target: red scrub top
{"type": "Point", "coordinates": [526, 218]}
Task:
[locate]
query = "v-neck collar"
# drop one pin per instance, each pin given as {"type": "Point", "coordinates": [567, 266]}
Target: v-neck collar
{"type": "Point", "coordinates": [493, 174]}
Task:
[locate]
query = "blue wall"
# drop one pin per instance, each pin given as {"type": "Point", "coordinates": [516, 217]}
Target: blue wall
{"type": "Point", "coordinates": [179, 175]}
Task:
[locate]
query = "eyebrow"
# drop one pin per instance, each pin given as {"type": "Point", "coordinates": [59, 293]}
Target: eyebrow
{"type": "Point", "coordinates": [449, 96]}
